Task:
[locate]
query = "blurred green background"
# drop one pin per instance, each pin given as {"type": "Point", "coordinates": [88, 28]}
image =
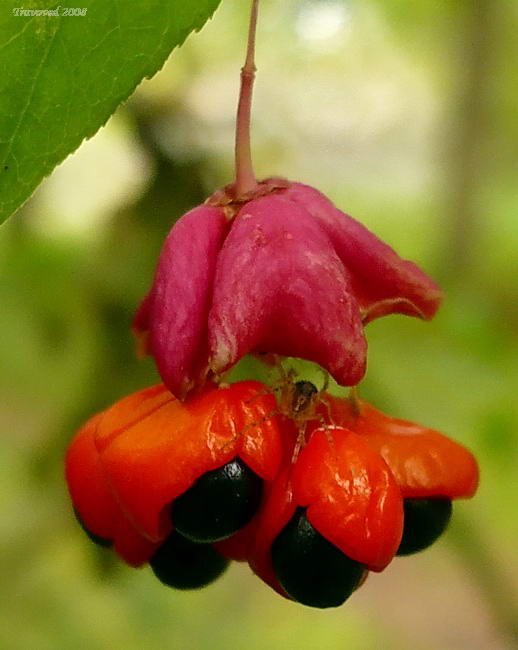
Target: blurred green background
{"type": "Point", "coordinates": [405, 114]}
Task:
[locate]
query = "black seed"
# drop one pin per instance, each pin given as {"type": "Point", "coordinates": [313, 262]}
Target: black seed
{"type": "Point", "coordinates": [218, 504]}
{"type": "Point", "coordinates": [182, 564]}
{"type": "Point", "coordinates": [313, 571]}
{"type": "Point", "coordinates": [425, 521]}
{"type": "Point", "coordinates": [100, 541]}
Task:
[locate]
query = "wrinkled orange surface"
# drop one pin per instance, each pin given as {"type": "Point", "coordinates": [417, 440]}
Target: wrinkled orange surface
{"type": "Point", "coordinates": [351, 496]}
{"type": "Point", "coordinates": [95, 502]}
{"type": "Point", "coordinates": [424, 462]}
{"type": "Point", "coordinates": [126, 466]}
{"type": "Point", "coordinates": [277, 510]}
{"type": "Point", "coordinates": [152, 447]}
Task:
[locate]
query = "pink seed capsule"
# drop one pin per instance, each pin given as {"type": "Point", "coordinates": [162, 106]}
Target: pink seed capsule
{"type": "Point", "coordinates": [283, 272]}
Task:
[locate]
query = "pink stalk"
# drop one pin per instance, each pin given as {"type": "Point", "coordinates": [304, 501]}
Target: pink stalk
{"type": "Point", "coordinates": [245, 177]}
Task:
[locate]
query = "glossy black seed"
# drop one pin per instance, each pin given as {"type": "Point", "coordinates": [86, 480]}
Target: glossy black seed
{"type": "Point", "coordinates": [100, 541]}
{"type": "Point", "coordinates": [425, 521]}
{"type": "Point", "coordinates": [218, 504]}
{"type": "Point", "coordinates": [183, 564]}
{"type": "Point", "coordinates": [312, 570]}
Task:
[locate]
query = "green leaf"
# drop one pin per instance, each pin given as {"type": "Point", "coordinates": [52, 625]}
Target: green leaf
{"type": "Point", "coordinates": [63, 76]}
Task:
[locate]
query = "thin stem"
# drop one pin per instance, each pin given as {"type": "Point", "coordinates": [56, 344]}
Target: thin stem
{"type": "Point", "coordinates": [354, 400]}
{"type": "Point", "coordinates": [245, 177]}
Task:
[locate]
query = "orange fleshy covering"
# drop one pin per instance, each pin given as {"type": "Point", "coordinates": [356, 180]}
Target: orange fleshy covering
{"type": "Point", "coordinates": [424, 462]}
{"type": "Point", "coordinates": [345, 485]}
{"type": "Point", "coordinates": [95, 502]}
{"type": "Point", "coordinates": [149, 448]}
{"type": "Point", "coordinates": [351, 499]}
{"type": "Point", "coordinates": [237, 547]}
{"type": "Point", "coordinates": [277, 510]}
{"type": "Point", "coordinates": [127, 464]}
{"type": "Point", "coordinates": [351, 495]}
{"type": "Point", "coordinates": [253, 543]}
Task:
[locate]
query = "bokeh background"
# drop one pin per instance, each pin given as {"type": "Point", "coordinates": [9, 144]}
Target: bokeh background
{"type": "Point", "coordinates": [405, 114]}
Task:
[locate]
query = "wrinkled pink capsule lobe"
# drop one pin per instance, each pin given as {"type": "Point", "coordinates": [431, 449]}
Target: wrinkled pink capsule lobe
{"type": "Point", "coordinates": [383, 282]}
{"type": "Point", "coordinates": [176, 310]}
{"type": "Point", "coordinates": [280, 287]}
